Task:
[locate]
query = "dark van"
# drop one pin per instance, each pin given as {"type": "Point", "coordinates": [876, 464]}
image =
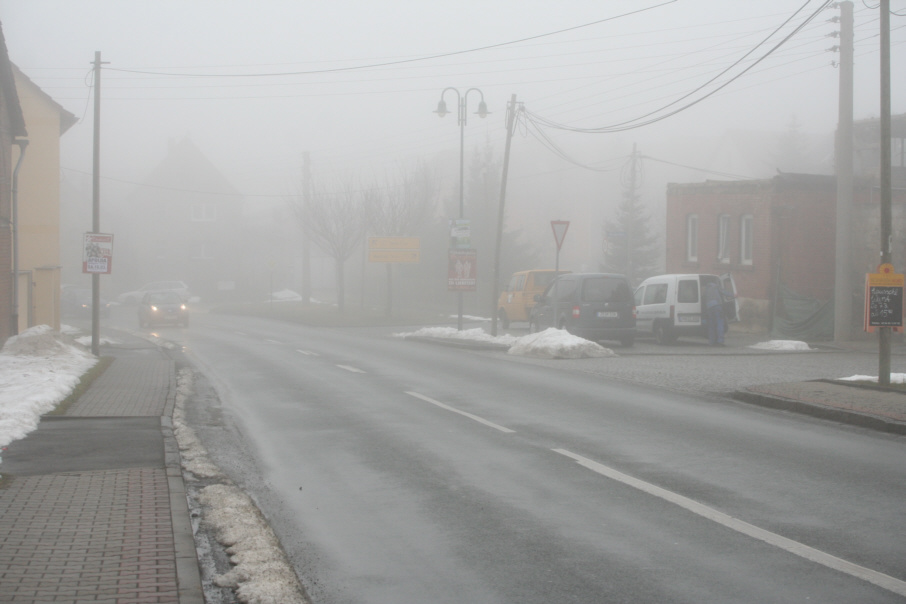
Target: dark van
{"type": "Point", "coordinates": [594, 306]}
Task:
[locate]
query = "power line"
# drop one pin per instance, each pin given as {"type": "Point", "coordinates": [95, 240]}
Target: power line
{"type": "Point", "coordinates": [400, 61]}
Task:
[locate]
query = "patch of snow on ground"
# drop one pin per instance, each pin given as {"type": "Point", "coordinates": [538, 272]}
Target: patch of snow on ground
{"type": "Point", "coordinates": [895, 378]}
{"type": "Point", "coordinates": [286, 295]}
{"type": "Point", "coordinates": [476, 334]}
{"type": "Point", "coordinates": [781, 345]}
{"type": "Point", "coordinates": [558, 344]}
{"type": "Point", "coordinates": [261, 572]}
{"type": "Point", "coordinates": [38, 369]}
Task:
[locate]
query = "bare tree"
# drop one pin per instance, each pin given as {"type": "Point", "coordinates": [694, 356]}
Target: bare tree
{"type": "Point", "coordinates": [401, 209]}
{"type": "Point", "coordinates": [335, 220]}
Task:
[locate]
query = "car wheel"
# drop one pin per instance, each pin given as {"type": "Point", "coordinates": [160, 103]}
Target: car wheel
{"type": "Point", "coordinates": [627, 342]}
{"type": "Point", "coordinates": [663, 334]}
{"type": "Point", "coordinates": [504, 320]}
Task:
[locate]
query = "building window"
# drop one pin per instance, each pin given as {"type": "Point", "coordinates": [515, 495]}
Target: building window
{"type": "Point", "coordinates": [201, 251]}
{"type": "Point", "coordinates": [204, 212]}
{"type": "Point", "coordinates": [745, 239]}
{"type": "Point", "coordinates": [723, 232]}
{"type": "Point", "coordinates": [692, 238]}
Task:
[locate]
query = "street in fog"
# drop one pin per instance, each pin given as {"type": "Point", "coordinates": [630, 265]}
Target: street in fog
{"type": "Point", "coordinates": [399, 471]}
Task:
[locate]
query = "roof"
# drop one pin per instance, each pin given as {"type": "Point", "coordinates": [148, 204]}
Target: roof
{"type": "Point", "coordinates": [8, 90]}
{"type": "Point", "coordinates": [67, 119]}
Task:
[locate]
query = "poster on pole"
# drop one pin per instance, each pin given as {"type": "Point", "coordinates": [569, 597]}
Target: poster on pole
{"type": "Point", "coordinates": [462, 271]}
{"type": "Point", "coordinates": [97, 253]}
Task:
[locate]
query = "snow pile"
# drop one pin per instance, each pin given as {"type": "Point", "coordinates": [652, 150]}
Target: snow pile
{"type": "Point", "coordinates": [781, 345]}
{"type": "Point", "coordinates": [558, 344]}
{"type": "Point", "coordinates": [549, 344]}
{"type": "Point", "coordinates": [285, 295]}
{"type": "Point", "coordinates": [261, 574]}
{"type": "Point", "coordinates": [38, 369]}
{"type": "Point", "coordinates": [895, 378]}
{"type": "Point", "coordinates": [451, 333]}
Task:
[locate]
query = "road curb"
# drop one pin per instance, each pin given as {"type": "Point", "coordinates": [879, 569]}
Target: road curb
{"type": "Point", "coordinates": [820, 411]}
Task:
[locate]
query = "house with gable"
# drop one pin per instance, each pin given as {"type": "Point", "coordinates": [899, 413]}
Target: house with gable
{"type": "Point", "coordinates": [184, 223]}
{"type": "Point", "coordinates": [38, 224]}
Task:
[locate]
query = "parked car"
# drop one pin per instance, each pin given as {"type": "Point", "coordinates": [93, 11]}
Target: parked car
{"type": "Point", "coordinates": [594, 306]}
{"type": "Point", "coordinates": [670, 306]}
{"type": "Point", "coordinates": [77, 302]}
{"type": "Point", "coordinates": [135, 296]}
{"type": "Point", "coordinates": [162, 307]}
{"type": "Point", "coordinates": [516, 301]}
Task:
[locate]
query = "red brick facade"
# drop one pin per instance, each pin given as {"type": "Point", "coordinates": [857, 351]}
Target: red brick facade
{"type": "Point", "coordinates": [792, 220]}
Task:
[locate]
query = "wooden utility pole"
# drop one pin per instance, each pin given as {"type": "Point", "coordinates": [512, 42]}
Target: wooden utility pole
{"type": "Point", "coordinates": [510, 121]}
{"type": "Point", "coordinates": [96, 206]}
{"type": "Point", "coordinates": [306, 236]}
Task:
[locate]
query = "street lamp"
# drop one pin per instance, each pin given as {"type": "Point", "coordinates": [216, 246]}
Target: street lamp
{"type": "Point", "coordinates": [461, 103]}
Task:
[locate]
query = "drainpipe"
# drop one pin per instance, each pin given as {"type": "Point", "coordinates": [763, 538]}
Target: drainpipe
{"type": "Point", "coordinates": [14, 316]}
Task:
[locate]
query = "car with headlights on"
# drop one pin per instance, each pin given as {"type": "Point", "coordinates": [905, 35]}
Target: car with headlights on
{"type": "Point", "coordinates": [162, 308]}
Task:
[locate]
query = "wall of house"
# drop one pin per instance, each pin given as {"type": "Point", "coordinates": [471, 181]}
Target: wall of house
{"type": "Point", "coordinates": [793, 226]}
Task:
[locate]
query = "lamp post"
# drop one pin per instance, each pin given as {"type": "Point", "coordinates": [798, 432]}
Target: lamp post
{"type": "Point", "coordinates": [461, 103]}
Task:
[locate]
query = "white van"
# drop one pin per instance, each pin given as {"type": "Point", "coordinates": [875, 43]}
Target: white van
{"type": "Point", "coordinates": [670, 306]}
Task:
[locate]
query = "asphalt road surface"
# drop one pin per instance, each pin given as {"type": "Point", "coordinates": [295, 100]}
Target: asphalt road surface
{"type": "Point", "coordinates": [402, 472]}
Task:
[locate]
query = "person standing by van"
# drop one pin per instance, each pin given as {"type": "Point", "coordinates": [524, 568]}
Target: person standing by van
{"type": "Point", "coordinates": [713, 299]}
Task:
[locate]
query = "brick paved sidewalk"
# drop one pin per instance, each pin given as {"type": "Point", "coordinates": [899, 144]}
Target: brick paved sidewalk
{"type": "Point", "coordinates": [114, 533]}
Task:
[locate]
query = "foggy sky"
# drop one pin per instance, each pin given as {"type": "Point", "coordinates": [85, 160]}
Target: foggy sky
{"type": "Point", "coordinates": [206, 67]}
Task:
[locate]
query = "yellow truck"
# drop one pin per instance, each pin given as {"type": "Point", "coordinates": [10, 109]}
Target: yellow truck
{"type": "Point", "coordinates": [518, 298]}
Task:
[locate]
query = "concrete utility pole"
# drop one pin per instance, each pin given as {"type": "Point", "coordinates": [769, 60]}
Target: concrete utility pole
{"type": "Point", "coordinates": [510, 121]}
{"type": "Point", "coordinates": [886, 193]}
{"type": "Point", "coordinates": [843, 302]}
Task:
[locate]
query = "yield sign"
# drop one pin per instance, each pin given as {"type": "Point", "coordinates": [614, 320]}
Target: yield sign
{"type": "Point", "coordinates": [559, 227]}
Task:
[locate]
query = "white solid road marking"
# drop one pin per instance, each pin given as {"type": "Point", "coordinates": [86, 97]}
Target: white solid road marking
{"type": "Point", "coordinates": [463, 413]}
{"type": "Point", "coordinates": [809, 553]}
{"type": "Point", "coordinates": [352, 369]}
{"type": "Point", "coordinates": [307, 352]}
{"type": "Point", "coordinates": [272, 341]}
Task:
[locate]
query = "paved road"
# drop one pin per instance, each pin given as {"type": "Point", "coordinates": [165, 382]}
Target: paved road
{"type": "Point", "coordinates": [396, 471]}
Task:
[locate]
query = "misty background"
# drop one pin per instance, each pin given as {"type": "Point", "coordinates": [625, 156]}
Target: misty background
{"type": "Point", "coordinates": [210, 102]}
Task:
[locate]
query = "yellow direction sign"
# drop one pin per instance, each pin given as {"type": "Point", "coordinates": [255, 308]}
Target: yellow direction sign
{"type": "Point", "coordinates": [394, 249]}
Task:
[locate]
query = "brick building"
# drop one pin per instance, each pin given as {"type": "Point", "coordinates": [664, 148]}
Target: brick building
{"type": "Point", "coordinates": [777, 236]}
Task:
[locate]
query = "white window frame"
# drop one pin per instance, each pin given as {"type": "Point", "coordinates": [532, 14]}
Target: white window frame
{"type": "Point", "coordinates": [201, 252]}
{"type": "Point", "coordinates": [204, 212]}
{"type": "Point", "coordinates": [746, 239]}
{"type": "Point", "coordinates": [692, 238]}
{"type": "Point", "coordinates": [723, 236]}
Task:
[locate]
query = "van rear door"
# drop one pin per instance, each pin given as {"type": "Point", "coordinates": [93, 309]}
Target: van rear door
{"type": "Point", "coordinates": [731, 306]}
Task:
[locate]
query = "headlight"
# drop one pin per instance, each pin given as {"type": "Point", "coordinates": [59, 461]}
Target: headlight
{"type": "Point", "coordinates": [182, 307]}
{"type": "Point", "coordinates": [153, 308]}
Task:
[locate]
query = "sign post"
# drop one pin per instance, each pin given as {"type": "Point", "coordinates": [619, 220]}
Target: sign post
{"type": "Point", "coordinates": [559, 227]}
{"type": "Point", "coordinates": [884, 308]}
{"type": "Point", "coordinates": [390, 251]}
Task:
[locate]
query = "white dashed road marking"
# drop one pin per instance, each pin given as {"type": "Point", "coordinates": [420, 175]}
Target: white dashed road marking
{"type": "Point", "coordinates": [809, 553]}
{"type": "Point", "coordinates": [463, 413]}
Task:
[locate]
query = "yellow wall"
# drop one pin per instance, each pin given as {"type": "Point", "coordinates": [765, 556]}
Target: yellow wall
{"type": "Point", "coordinates": [39, 202]}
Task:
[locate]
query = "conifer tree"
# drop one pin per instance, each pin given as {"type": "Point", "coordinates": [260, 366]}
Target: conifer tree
{"type": "Point", "coordinates": [630, 248]}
